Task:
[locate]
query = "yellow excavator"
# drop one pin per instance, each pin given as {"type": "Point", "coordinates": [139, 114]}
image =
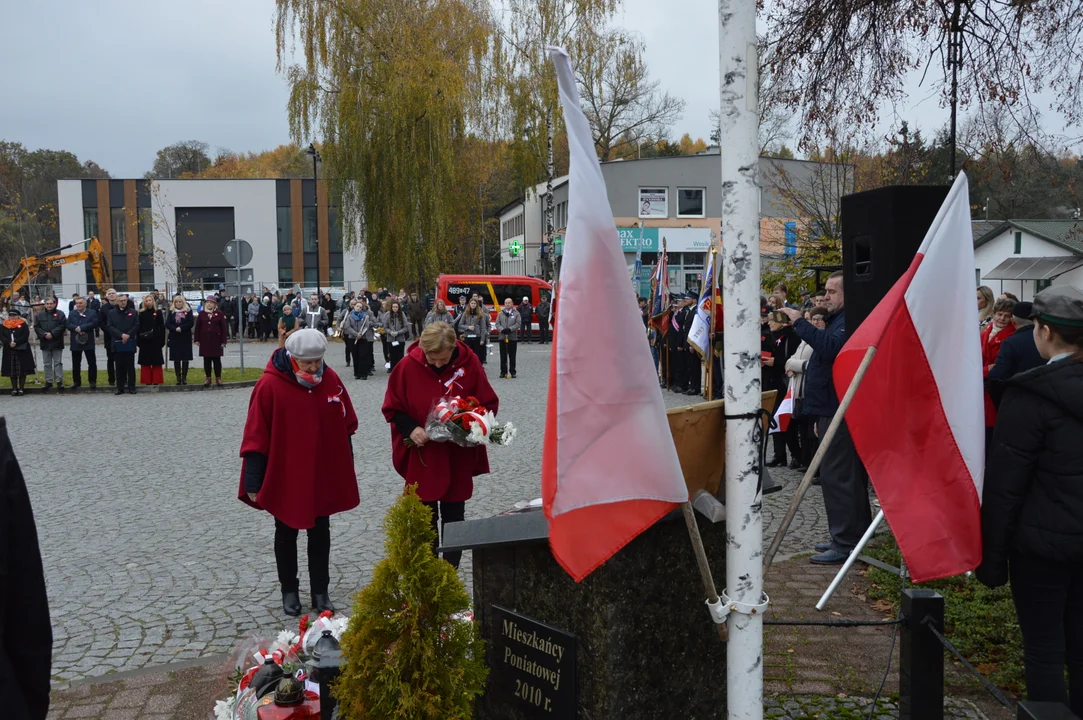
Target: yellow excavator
{"type": "Point", "coordinates": [30, 267]}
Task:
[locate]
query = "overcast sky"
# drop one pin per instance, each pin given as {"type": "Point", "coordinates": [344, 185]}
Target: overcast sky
{"type": "Point", "coordinates": [116, 80]}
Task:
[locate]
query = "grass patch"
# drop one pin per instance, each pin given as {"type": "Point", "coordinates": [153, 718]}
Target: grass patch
{"type": "Point", "coordinates": [980, 622]}
{"type": "Point", "coordinates": [195, 376]}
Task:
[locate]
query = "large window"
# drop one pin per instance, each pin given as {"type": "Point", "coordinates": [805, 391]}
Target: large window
{"type": "Point", "coordinates": [285, 236]}
{"type": "Point", "coordinates": [653, 202]}
{"type": "Point", "coordinates": [146, 279]}
{"type": "Point", "coordinates": [119, 226]}
{"type": "Point", "coordinates": [514, 227]}
{"type": "Point", "coordinates": [285, 277]}
{"type": "Point", "coordinates": [146, 232]}
{"type": "Point", "coordinates": [334, 229]}
{"type": "Point", "coordinates": [311, 230]}
{"type": "Point", "coordinates": [690, 202]}
{"type": "Point", "coordinates": [90, 222]}
{"type": "Point", "coordinates": [311, 277]}
{"type": "Point", "coordinates": [120, 279]}
{"type": "Point", "coordinates": [337, 275]}
{"type": "Point", "coordinates": [515, 292]}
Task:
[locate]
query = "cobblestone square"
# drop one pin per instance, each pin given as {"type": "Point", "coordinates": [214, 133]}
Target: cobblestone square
{"type": "Point", "coordinates": [149, 557]}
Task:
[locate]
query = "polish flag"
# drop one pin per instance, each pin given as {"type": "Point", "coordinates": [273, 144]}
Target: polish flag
{"type": "Point", "coordinates": [918, 418]}
{"type": "Point", "coordinates": [609, 466]}
{"type": "Point", "coordinates": [784, 413]}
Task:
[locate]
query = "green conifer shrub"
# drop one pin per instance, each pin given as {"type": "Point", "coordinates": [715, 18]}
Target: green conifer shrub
{"type": "Point", "coordinates": [403, 655]}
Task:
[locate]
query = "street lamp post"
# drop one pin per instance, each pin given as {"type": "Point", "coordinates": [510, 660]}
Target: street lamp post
{"type": "Point", "coordinates": [315, 154]}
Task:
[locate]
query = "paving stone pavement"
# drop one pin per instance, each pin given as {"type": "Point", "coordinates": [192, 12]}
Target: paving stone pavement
{"type": "Point", "coordinates": [149, 557]}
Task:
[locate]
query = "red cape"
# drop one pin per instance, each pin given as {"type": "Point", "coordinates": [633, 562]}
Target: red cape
{"type": "Point", "coordinates": [441, 471]}
{"type": "Point", "coordinates": [305, 435]}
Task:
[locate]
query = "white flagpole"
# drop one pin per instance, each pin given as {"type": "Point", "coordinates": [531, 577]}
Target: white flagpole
{"type": "Point", "coordinates": [738, 68]}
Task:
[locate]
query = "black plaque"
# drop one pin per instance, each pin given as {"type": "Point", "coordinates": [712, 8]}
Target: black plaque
{"type": "Point", "coordinates": [533, 671]}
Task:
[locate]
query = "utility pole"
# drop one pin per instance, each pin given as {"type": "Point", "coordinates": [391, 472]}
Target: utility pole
{"type": "Point", "coordinates": [739, 80]}
{"type": "Point", "coordinates": [316, 194]}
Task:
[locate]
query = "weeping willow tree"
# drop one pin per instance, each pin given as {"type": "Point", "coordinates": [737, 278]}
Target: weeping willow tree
{"type": "Point", "coordinates": [393, 87]}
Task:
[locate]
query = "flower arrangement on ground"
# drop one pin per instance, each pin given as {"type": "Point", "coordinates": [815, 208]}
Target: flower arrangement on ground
{"type": "Point", "coordinates": [410, 649]}
{"type": "Point", "coordinates": [289, 650]}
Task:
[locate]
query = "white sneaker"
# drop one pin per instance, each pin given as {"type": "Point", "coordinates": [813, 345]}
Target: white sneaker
{"type": "Point", "coordinates": [387, 366]}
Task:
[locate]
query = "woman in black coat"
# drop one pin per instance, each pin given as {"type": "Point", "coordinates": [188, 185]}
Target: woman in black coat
{"type": "Point", "coordinates": [18, 358]}
{"type": "Point", "coordinates": [178, 324]}
{"type": "Point", "coordinates": [784, 343]}
{"type": "Point", "coordinates": [1032, 503]}
{"type": "Point", "coordinates": [150, 341]}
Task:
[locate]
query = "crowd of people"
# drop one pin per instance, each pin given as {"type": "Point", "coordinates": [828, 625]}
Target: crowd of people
{"type": "Point", "coordinates": [143, 335]}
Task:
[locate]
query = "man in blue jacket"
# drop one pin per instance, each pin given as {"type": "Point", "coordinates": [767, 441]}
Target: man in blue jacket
{"type": "Point", "coordinates": [82, 323]}
{"type": "Point", "coordinates": [843, 478]}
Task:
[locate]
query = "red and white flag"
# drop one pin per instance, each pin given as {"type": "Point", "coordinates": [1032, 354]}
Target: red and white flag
{"type": "Point", "coordinates": [609, 466]}
{"type": "Point", "coordinates": [784, 413]}
{"type": "Point", "coordinates": [918, 418]}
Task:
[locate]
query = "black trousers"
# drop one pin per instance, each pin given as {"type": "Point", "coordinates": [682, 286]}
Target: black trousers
{"type": "Point", "coordinates": [394, 353]}
{"type": "Point", "coordinates": [508, 349]}
{"type": "Point", "coordinates": [1048, 599]}
{"type": "Point", "coordinates": [677, 373]}
{"type": "Point", "coordinates": [845, 485]}
{"type": "Point", "coordinates": [77, 369]}
{"type": "Point", "coordinates": [449, 512]}
{"type": "Point", "coordinates": [349, 343]}
{"type": "Point", "coordinates": [693, 370]}
{"type": "Point", "coordinates": [362, 358]}
{"type": "Point", "coordinates": [543, 329]}
{"type": "Point", "coordinates": [110, 360]}
{"type": "Point", "coordinates": [475, 344]}
{"type": "Point", "coordinates": [124, 366]}
{"type": "Point", "coordinates": [319, 556]}
{"type": "Point", "coordinates": [809, 442]}
{"type": "Point", "coordinates": [387, 348]}
{"type": "Point", "coordinates": [789, 439]}
{"type": "Point", "coordinates": [214, 363]}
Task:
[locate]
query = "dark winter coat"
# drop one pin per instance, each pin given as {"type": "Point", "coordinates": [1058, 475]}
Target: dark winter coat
{"type": "Point", "coordinates": [441, 471]}
{"type": "Point", "coordinates": [1017, 355]}
{"type": "Point", "coordinates": [415, 310]}
{"type": "Point", "coordinates": [85, 321]}
{"type": "Point", "coordinates": [151, 337]}
{"type": "Point", "coordinates": [180, 343]}
{"type": "Point", "coordinates": [526, 315]}
{"type": "Point", "coordinates": [104, 308]}
{"type": "Point", "coordinates": [21, 352]}
{"type": "Point", "coordinates": [820, 397]}
{"type": "Point", "coordinates": [54, 323]}
{"type": "Point", "coordinates": [211, 333]}
{"type": "Point", "coordinates": [299, 486]}
{"type": "Point", "coordinates": [543, 311]}
{"type": "Point", "coordinates": [1032, 501]}
{"type": "Point", "coordinates": [123, 322]}
{"type": "Point", "coordinates": [786, 343]}
{"type": "Point", "coordinates": [26, 638]}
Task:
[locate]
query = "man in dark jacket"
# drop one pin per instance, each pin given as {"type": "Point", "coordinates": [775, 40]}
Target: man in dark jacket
{"type": "Point", "coordinates": [26, 638]}
{"type": "Point", "coordinates": [122, 330]}
{"type": "Point", "coordinates": [82, 322]}
{"type": "Point", "coordinates": [415, 311]}
{"type": "Point", "coordinates": [50, 325]}
{"type": "Point", "coordinates": [526, 317]}
{"type": "Point", "coordinates": [104, 309]}
{"type": "Point", "coordinates": [843, 478]}
{"type": "Point", "coordinates": [542, 312]}
{"type": "Point", "coordinates": [693, 371]}
{"type": "Point", "coordinates": [1017, 354]}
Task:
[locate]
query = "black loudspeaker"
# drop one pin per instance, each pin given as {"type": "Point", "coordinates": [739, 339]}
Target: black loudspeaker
{"type": "Point", "coordinates": [881, 231]}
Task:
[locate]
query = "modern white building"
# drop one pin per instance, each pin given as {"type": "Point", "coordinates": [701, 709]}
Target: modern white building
{"type": "Point", "coordinates": [1025, 256]}
{"type": "Point", "coordinates": [522, 228]}
{"type": "Point", "coordinates": [168, 233]}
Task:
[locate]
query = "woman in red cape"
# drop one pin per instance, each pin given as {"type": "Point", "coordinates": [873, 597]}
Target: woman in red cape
{"type": "Point", "coordinates": [436, 366]}
{"type": "Point", "coordinates": [992, 337]}
{"type": "Point", "coordinates": [298, 459]}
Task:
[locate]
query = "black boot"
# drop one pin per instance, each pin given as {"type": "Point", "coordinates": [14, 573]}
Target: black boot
{"type": "Point", "coordinates": [184, 372]}
{"type": "Point", "coordinates": [322, 602]}
{"type": "Point", "coordinates": [291, 603]}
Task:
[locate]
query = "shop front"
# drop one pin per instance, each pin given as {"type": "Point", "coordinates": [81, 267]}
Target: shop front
{"type": "Point", "coordinates": [687, 249]}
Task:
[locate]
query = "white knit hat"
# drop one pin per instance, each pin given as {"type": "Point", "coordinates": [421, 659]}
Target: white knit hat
{"type": "Point", "coordinates": [307, 344]}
